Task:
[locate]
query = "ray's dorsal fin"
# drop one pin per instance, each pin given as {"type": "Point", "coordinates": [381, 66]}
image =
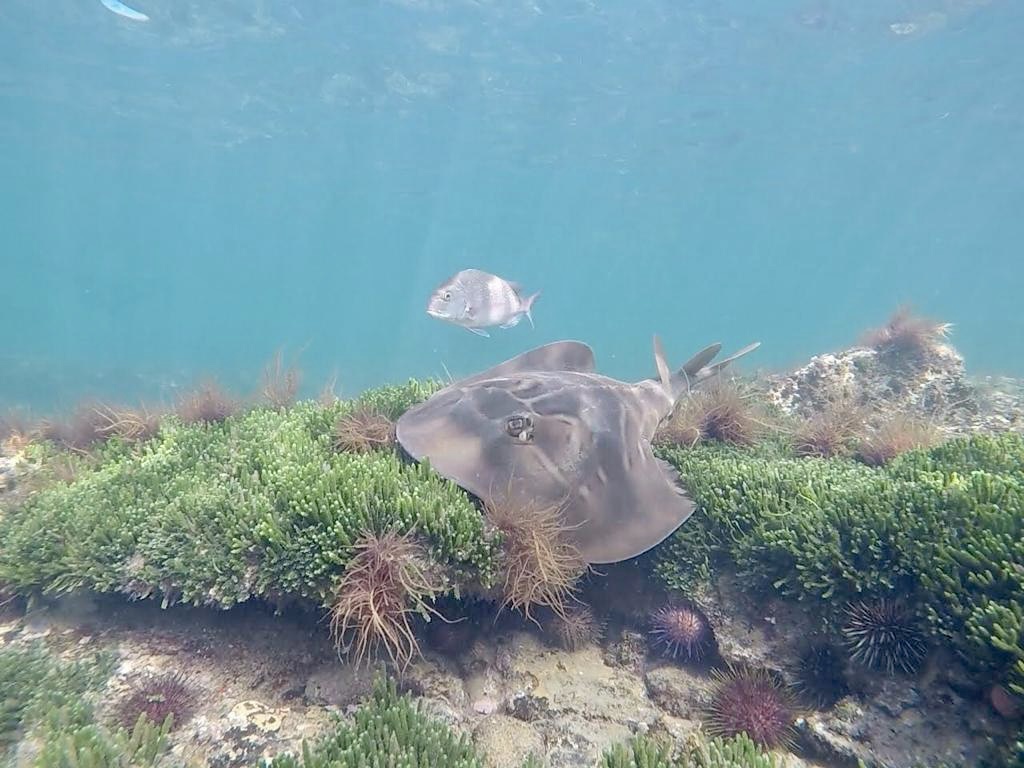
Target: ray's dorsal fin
{"type": "Point", "coordinates": [702, 358]}
{"type": "Point", "coordinates": [711, 370]}
{"type": "Point", "coordinates": [684, 378]}
{"type": "Point", "coordinates": [659, 360]}
{"type": "Point", "coordinates": [556, 356]}
{"type": "Point", "coordinates": [698, 368]}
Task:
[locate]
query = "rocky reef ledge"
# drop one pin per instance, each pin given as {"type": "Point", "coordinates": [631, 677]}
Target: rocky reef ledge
{"type": "Point", "coordinates": [228, 584]}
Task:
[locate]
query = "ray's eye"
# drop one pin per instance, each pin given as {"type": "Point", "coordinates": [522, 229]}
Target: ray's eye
{"type": "Point", "coordinates": [520, 427]}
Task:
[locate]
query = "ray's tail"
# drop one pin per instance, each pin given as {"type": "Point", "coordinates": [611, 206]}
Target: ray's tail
{"type": "Point", "coordinates": [695, 370]}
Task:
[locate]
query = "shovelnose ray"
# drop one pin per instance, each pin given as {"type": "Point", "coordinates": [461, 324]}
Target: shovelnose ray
{"type": "Point", "coordinates": [542, 428]}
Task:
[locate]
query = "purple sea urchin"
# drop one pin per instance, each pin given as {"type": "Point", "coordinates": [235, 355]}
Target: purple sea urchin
{"type": "Point", "coordinates": [884, 635]}
{"type": "Point", "coordinates": [156, 697]}
{"type": "Point", "coordinates": [820, 675]}
{"type": "Point", "coordinates": [683, 630]}
{"type": "Point", "coordinates": [752, 702]}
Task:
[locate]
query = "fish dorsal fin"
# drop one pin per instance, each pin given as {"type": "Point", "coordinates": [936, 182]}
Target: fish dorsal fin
{"type": "Point", "coordinates": [659, 361]}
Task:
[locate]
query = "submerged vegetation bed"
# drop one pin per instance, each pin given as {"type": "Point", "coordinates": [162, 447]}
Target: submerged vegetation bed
{"type": "Point", "coordinates": [55, 700]}
{"type": "Point", "coordinates": [258, 504]}
{"type": "Point", "coordinates": [932, 542]}
{"type": "Point", "coordinates": [264, 503]}
{"type": "Point", "coordinates": [897, 545]}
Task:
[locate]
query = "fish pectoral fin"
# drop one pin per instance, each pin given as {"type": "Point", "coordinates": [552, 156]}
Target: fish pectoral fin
{"type": "Point", "coordinates": [511, 323]}
{"type": "Point", "coordinates": [479, 332]}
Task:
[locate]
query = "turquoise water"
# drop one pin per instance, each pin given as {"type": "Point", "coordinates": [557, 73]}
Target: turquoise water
{"type": "Point", "coordinates": [187, 195]}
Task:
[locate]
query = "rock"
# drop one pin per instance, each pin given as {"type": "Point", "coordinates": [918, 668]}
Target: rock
{"type": "Point", "coordinates": [627, 652]}
{"type": "Point", "coordinates": [580, 704]}
{"type": "Point", "coordinates": [899, 729]}
{"type": "Point", "coordinates": [1001, 403]}
{"type": "Point", "coordinates": [507, 742]}
{"type": "Point", "coordinates": [8, 473]}
{"type": "Point", "coordinates": [246, 735]}
{"type": "Point", "coordinates": [485, 688]}
{"type": "Point", "coordinates": [932, 384]}
{"type": "Point", "coordinates": [437, 679]}
{"type": "Point", "coordinates": [678, 691]}
{"type": "Point", "coordinates": [896, 697]}
{"type": "Point", "coordinates": [825, 739]}
{"type": "Point", "coordinates": [254, 714]}
{"type": "Point", "coordinates": [338, 685]}
{"type": "Point", "coordinates": [527, 707]}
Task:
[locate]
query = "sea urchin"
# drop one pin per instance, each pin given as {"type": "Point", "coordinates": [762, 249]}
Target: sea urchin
{"type": "Point", "coordinates": [752, 702]}
{"type": "Point", "coordinates": [820, 675]}
{"type": "Point", "coordinates": [576, 627]}
{"type": "Point", "coordinates": [883, 635]}
{"type": "Point", "coordinates": [683, 630]}
{"type": "Point", "coordinates": [157, 697]}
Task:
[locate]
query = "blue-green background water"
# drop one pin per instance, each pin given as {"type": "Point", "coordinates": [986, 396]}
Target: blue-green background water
{"type": "Point", "coordinates": [188, 195]}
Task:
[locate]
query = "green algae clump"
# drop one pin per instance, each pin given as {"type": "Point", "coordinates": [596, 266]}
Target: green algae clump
{"type": "Point", "coordinates": [388, 730]}
{"type": "Point", "coordinates": [701, 752]}
{"type": "Point", "coordinates": [942, 529]}
{"type": "Point", "coordinates": [257, 505]}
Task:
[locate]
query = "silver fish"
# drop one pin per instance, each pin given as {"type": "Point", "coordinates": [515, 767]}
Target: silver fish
{"type": "Point", "coordinates": [476, 300]}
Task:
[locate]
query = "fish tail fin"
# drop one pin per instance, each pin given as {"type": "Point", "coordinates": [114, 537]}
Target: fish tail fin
{"type": "Point", "coordinates": [659, 361]}
{"type": "Point", "coordinates": [528, 307]}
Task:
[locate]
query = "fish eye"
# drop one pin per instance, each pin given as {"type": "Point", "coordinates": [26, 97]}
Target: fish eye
{"type": "Point", "coordinates": [447, 296]}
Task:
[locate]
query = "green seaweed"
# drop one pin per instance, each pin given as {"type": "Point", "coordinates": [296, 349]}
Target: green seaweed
{"type": "Point", "coordinates": [648, 752]}
{"type": "Point", "coordinates": [52, 699]}
{"type": "Point", "coordinates": [259, 505]}
{"type": "Point", "coordinates": [36, 687]}
{"type": "Point", "coordinates": [395, 399]}
{"type": "Point", "coordinates": [388, 730]}
{"type": "Point", "coordinates": [736, 752]}
{"type": "Point", "coordinates": [941, 529]}
{"type": "Point", "coordinates": [640, 752]}
{"type": "Point", "coordinates": [92, 746]}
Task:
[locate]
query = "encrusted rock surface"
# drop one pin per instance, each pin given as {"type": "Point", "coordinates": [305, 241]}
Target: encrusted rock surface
{"type": "Point", "coordinates": [507, 742]}
{"type": "Point", "coordinates": [933, 384]}
{"type": "Point", "coordinates": [270, 681]}
{"type": "Point", "coordinates": [8, 472]}
{"type": "Point", "coordinates": [248, 666]}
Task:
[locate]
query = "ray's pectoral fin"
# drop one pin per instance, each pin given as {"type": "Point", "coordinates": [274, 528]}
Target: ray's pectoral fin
{"type": "Point", "coordinates": [633, 502]}
{"type": "Point", "coordinates": [556, 356]}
